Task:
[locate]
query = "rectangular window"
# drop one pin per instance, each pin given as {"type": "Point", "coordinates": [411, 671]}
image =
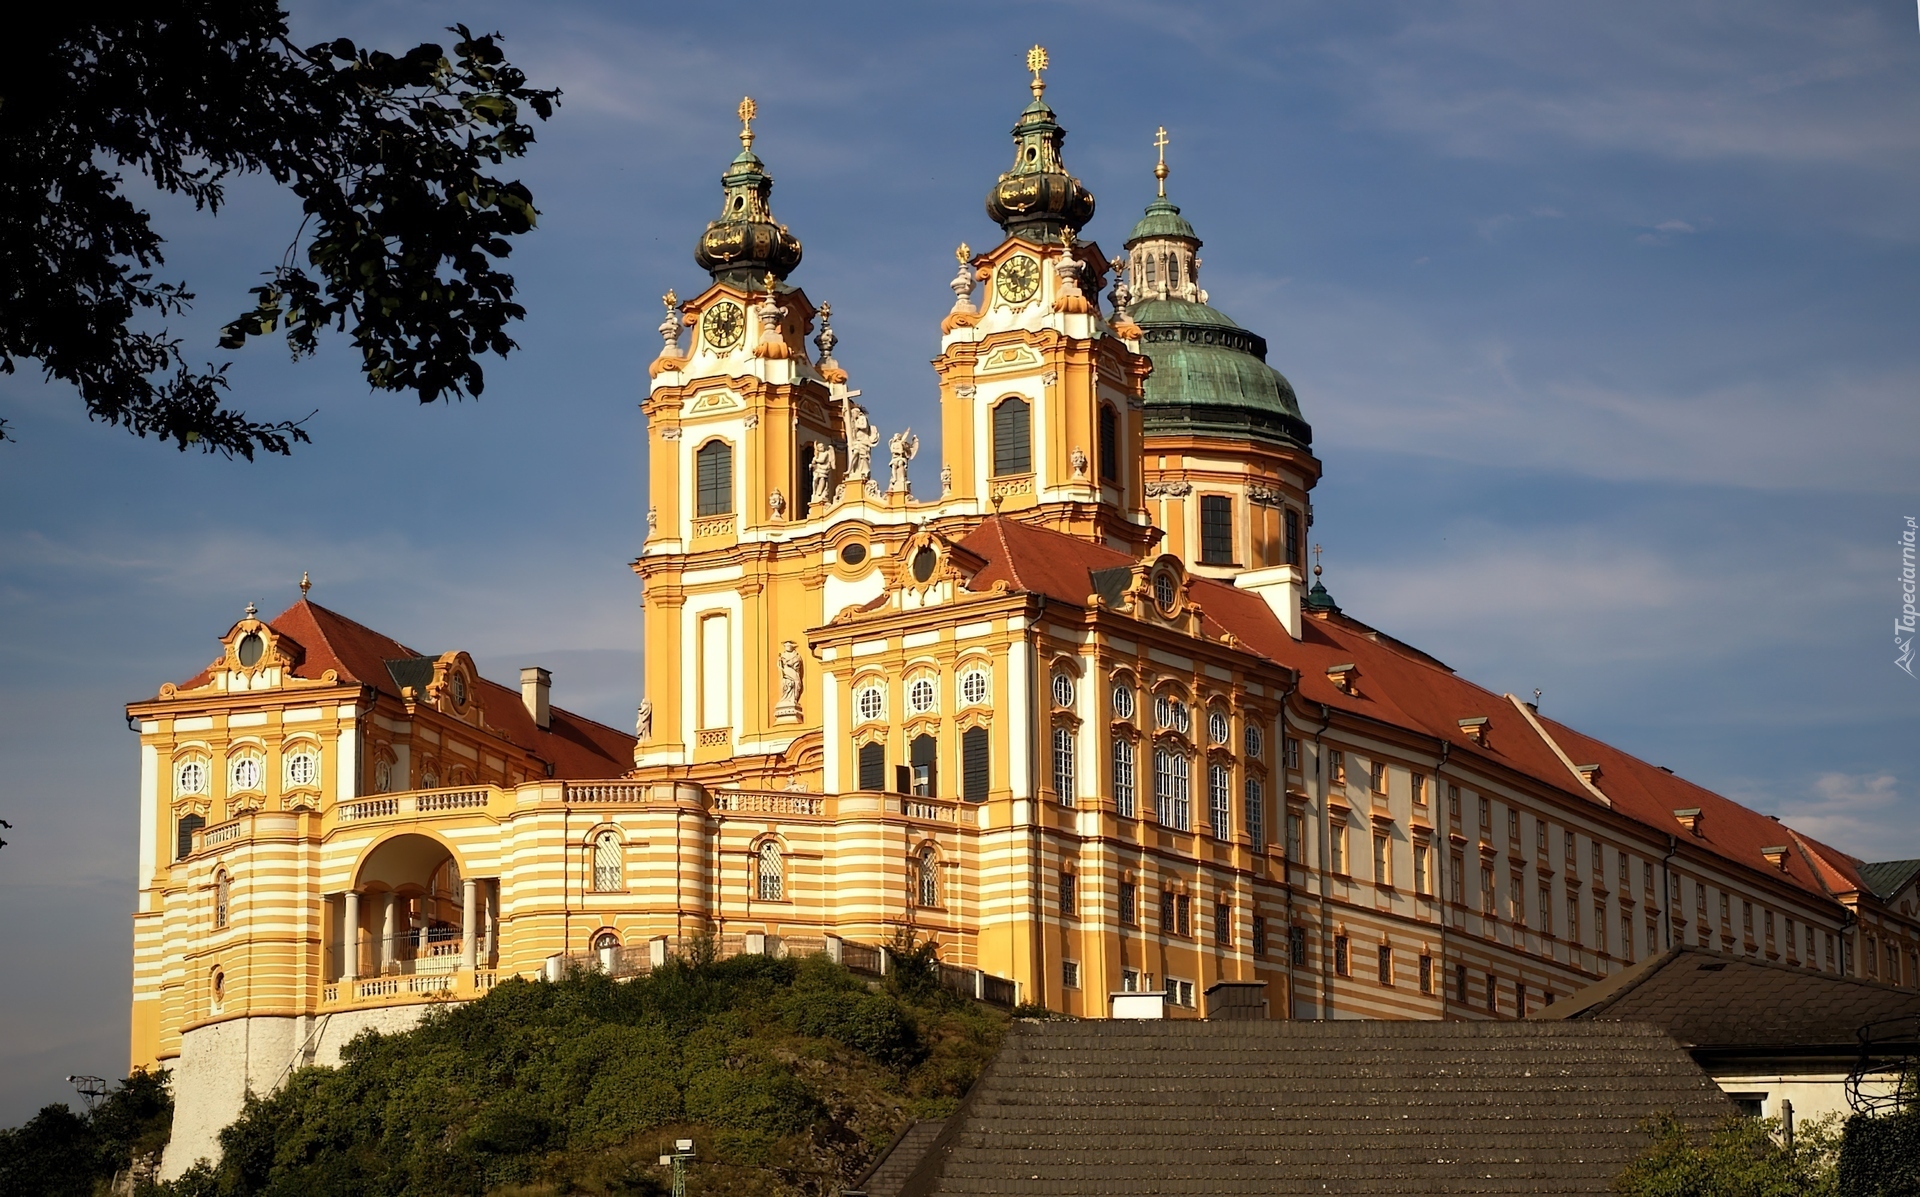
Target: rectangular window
{"type": "Point", "coordinates": [1180, 993]}
{"type": "Point", "coordinates": [1170, 789]}
{"type": "Point", "coordinates": [1379, 777]}
{"type": "Point", "coordinates": [1453, 803]}
{"type": "Point", "coordinates": [1486, 890]}
{"type": "Point", "coordinates": [1296, 835]}
{"type": "Point", "coordinates": [1513, 826]}
{"type": "Point", "coordinates": [1070, 974]}
{"type": "Point", "coordinates": [1599, 869]}
{"type": "Point", "coordinates": [1256, 813]}
{"type": "Point", "coordinates": [1426, 973]}
{"type": "Point", "coordinates": [1600, 927]}
{"type": "Point", "coordinates": [1569, 853]}
{"type": "Point", "coordinates": [1123, 778]}
{"type": "Point", "coordinates": [1459, 891]}
{"type": "Point", "coordinates": [1166, 912]}
{"type": "Point", "coordinates": [921, 754]}
{"type": "Point", "coordinates": [1546, 909]}
{"type": "Point", "coordinates": [1726, 915]}
{"type": "Point", "coordinates": [1460, 983]}
{"type": "Point", "coordinates": [1573, 916]}
{"type": "Point", "coordinates": [1540, 839]}
{"type": "Point", "coordinates": [1422, 877]}
{"type": "Point", "coordinates": [1386, 964]}
{"type": "Point", "coordinates": [1216, 530]}
{"type": "Point", "coordinates": [1297, 945]}
{"type": "Point", "coordinates": [1626, 873]}
{"type": "Point", "coordinates": [1340, 961]}
{"type": "Point", "coordinates": [1222, 925]}
{"type": "Point", "coordinates": [1109, 445]}
{"type": "Point", "coordinates": [1063, 765]}
{"type": "Point", "coordinates": [1183, 909]}
{"type": "Point", "coordinates": [1486, 817]}
{"type": "Point", "coordinates": [1336, 767]}
{"type": "Point", "coordinates": [973, 764]}
{"type": "Point", "coordinates": [1069, 904]}
{"type": "Point", "coordinates": [1012, 438]}
{"type": "Point", "coordinates": [1129, 903]}
{"type": "Point", "coordinates": [1131, 981]}
{"type": "Point", "coordinates": [1292, 522]}
{"type": "Point", "coordinates": [713, 469]}
{"type": "Point", "coordinates": [1519, 999]}
{"type": "Point", "coordinates": [1259, 935]}
{"type": "Point", "coordinates": [873, 765]}
{"type": "Point", "coordinates": [1419, 784]}
{"type": "Point", "coordinates": [1293, 753]}
{"type": "Point", "coordinates": [1626, 936]}
{"type": "Point", "coordinates": [1493, 995]}
{"type": "Point", "coordinates": [1746, 919]}
{"type": "Point", "coordinates": [1382, 860]}
{"type": "Point", "coordinates": [1219, 800]}
{"type": "Point", "coordinates": [1337, 841]}
{"type": "Point", "coordinates": [1517, 899]}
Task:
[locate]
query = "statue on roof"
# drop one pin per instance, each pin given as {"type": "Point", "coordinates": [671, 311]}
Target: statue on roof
{"type": "Point", "coordinates": [903, 448]}
{"type": "Point", "coordinates": [822, 462]}
{"type": "Point", "coordinates": [862, 436]}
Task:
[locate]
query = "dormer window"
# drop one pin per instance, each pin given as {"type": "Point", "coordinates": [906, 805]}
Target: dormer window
{"type": "Point", "coordinates": [1689, 818]}
{"type": "Point", "coordinates": [1342, 676]}
{"type": "Point", "coordinates": [1476, 729]}
{"type": "Point", "coordinates": [1164, 591]}
{"type": "Point", "coordinates": [251, 648]}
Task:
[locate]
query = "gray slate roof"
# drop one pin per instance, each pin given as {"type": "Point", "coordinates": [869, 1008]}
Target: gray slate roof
{"type": "Point", "coordinates": [1886, 878]}
{"type": "Point", "coordinates": [1716, 1003]}
{"type": "Point", "coordinates": [1221, 1108]}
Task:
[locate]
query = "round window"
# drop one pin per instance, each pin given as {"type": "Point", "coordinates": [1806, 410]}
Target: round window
{"type": "Point", "coordinates": [191, 778]}
{"type": "Point", "coordinates": [457, 686]}
{"type": "Point", "coordinates": [1123, 700]}
{"type": "Point", "coordinates": [1062, 690]}
{"type": "Point", "coordinates": [853, 554]}
{"type": "Point", "coordinates": [1256, 743]}
{"type": "Point", "coordinates": [1170, 712]}
{"type": "Point", "coordinates": [870, 704]}
{"type": "Point", "coordinates": [923, 563]}
{"type": "Point", "coordinates": [920, 695]}
{"type": "Point", "coordinates": [1163, 592]}
{"type": "Point", "coordinates": [246, 773]}
{"type": "Point", "coordinates": [973, 687]}
{"type": "Point", "coordinates": [251, 649]}
{"type": "Point", "coordinates": [303, 769]}
{"type": "Point", "coordinates": [1217, 728]}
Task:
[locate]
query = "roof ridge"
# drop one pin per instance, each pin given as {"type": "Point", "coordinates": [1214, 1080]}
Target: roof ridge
{"type": "Point", "coordinates": [1533, 721]}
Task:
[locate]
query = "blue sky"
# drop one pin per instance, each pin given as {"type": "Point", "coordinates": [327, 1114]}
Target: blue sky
{"type": "Point", "coordinates": [1603, 317]}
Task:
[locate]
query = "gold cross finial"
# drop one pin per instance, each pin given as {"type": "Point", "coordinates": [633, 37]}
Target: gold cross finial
{"type": "Point", "coordinates": [1316, 561]}
{"type": "Point", "coordinates": [671, 300]}
{"type": "Point", "coordinates": [1160, 169]}
{"type": "Point", "coordinates": [1037, 62]}
{"type": "Point", "coordinates": [963, 253]}
{"type": "Point", "coordinates": [770, 281]}
{"type": "Point", "coordinates": [747, 110]}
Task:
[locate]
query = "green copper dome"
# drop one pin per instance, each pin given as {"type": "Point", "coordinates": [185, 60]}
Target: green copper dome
{"type": "Point", "coordinates": [1163, 219]}
{"type": "Point", "coordinates": [1210, 377]}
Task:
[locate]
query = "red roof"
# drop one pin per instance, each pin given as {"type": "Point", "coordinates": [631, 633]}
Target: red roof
{"type": "Point", "coordinates": [1401, 686]}
{"type": "Point", "coordinates": [575, 745]}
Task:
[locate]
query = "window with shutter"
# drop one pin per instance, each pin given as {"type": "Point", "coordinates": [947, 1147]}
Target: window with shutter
{"type": "Point", "coordinates": [873, 765]}
{"type": "Point", "coordinates": [1109, 445]}
{"type": "Point", "coordinates": [188, 825]}
{"type": "Point", "coordinates": [921, 754]}
{"type": "Point", "coordinates": [973, 764]}
{"type": "Point", "coordinates": [713, 469]}
{"type": "Point", "coordinates": [1012, 438]}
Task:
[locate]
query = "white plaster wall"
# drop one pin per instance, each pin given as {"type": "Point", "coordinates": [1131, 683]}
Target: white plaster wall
{"type": "Point", "coordinates": [1812, 1094]}
{"type": "Point", "coordinates": [220, 1064]}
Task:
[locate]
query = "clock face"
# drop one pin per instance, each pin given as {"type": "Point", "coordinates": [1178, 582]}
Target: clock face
{"type": "Point", "coordinates": [1018, 279]}
{"type": "Point", "coordinates": [723, 324]}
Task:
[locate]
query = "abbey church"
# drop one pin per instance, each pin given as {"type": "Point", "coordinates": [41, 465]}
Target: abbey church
{"type": "Point", "coordinates": [1079, 718]}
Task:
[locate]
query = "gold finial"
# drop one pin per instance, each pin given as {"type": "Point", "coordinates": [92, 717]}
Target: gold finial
{"type": "Point", "coordinates": [671, 301]}
{"type": "Point", "coordinates": [1316, 561]}
{"type": "Point", "coordinates": [1067, 237]}
{"type": "Point", "coordinates": [1160, 170]}
{"type": "Point", "coordinates": [770, 280]}
{"type": "Point", "coordinates": [963, 253]}
{"type": "Point", "coordinates": [306, 583]}
{"type": "Point", "coordinates": [1037, 62]}
{"type": "Point", "coordinates": [747, 110]}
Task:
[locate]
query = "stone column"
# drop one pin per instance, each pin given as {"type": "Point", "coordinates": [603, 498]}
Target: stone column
{"type": "Point", "coordinates": [469, 921]}
{"type": "Point", "coordinates": [350, 946]}
{"type": "Point", "coordinates": [389, 910]}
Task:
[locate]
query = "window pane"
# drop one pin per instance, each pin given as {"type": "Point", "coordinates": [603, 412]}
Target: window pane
{"type": "Point", "coordinates": [1123, 778]}
{"type": "Point", "coordinates": [1216, 530]}
{"type": "Point", "coordinates": [1109, 445]}
{"type": "Point", "coordinates": [1012, 438]}
{"type": "Point", "coordinates": [714, 475]}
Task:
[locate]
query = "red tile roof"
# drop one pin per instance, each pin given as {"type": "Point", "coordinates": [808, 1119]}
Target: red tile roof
{"type": "Point", "coordinates": [1399, 685]}
{"type": "Point", "coordinates": [576, 746]}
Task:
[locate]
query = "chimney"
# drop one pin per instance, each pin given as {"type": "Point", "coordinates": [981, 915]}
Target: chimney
{"type": "Point", "coordinates": [535, 684]}
{"type": "Point", "coordinates": [1280, 586]}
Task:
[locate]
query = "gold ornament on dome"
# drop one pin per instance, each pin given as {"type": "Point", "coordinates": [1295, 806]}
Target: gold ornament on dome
{"type": "Point", "coordinates": [747, 110]}
{"type": "Point", "coordinates": [1160, 169]}
{"type": "Point", "coordinates": [1017, 279]}
{"type": "Point", "coordinates": [1037, 62]}
{"type": "Point", "coordinates": [723, 324]}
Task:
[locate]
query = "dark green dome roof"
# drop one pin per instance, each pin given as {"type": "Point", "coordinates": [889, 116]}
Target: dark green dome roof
{"type": "Point", "coordinates": [1162, 219]}
{"type": "Point", "coordinates": [1211, 377]}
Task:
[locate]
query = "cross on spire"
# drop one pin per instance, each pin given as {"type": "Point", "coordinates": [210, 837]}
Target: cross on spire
{"type": "Point", "coordinates": [1160, 169]}
{"type": "Point", "coordinates": [1316, 561]}
{"type": "Point", "coordinates": [747, 110]}
{"type": "Point", "coordinates": [1037, 62]}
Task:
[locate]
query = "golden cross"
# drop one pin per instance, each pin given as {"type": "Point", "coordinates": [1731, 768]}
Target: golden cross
{"type": "Point", "coordinates": [1316, 561]}
{"type": "Point", "coordinates": [1037, 62]}
{"type": "Point", "coordinates": [1160, 170]}
{"type": "Point", "coordinates": [747, 110]}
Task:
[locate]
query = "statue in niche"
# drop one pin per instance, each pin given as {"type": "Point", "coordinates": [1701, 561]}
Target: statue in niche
{"type": "Point", "coordinates": [862, 436]}
{"type": "Point", "coordinates": [902, 448]}
{"type": "Point", "coordinates": [946, 481]}
{"type": "Point", "coordinates": [822, 462]}
{"type": "Point", "coordinates": [643, 721]}
{"type": "Point", "coordinates": [1078, 458]}
{"type": "Point", "coordinates": [787, 709]}
{"type": "Point", "coordinates": [777, 503]}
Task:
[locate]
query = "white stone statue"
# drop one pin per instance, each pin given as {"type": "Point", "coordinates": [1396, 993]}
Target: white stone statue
{"type": "Point", "coordinates": [823, 463]}
{"type": "Point", "coordinates": [946, 481]}
{"type": "Point", "coordinates": [670, 327]}
{"type": "Point", "coordinates": [777, 502]}
{"type": "Point", "coordinates": [1079, 459]}
{"type": "Point", "coordinates": [788, 708]}
{"type": "Point", "coordinates": [862, 436]}
{"type": "Point", "coordinates": [903, 447]}
{"type": "Point", "coordinates": [643, 721]}
{"type": "Point", "coordinates": [653, 520]}
{"type": "Point", "coordinates": [962, 283]}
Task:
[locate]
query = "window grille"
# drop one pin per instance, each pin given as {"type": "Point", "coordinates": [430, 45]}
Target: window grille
{"type": "Point", "coordinates": [713, 468]}
{"type": "Point", "coordinates": [1216, 530]}
{"type": "Point", "coordinates": [1259, 935]}
{"type": "Point", "coordinates": [1012, 438]}
{"type": "Point", "coordinates": [1340, 960]}
{"type": "Point", "coordinates": [1218, 799]}
{"type": "Point", "coordinates": [1069, 899]}
{"type": "Point", "coordinates": [606, 863]}
{"type": "Point", "coordinates": [222, 894]}
{"type": "Point", "coordinates": [974, 774]}
{"type": "Point", "coordinates": [1426, 973]}
{"type": "Point", "coordinates": [1123, 793]}
{"type": "Point", "coordinates": [1166, 912]}
{"type": "Point", "coordinates": [772, 876]}
{"type": "Point", "coordinates": [1129, 904]}
{"type": "Point", "coordinates": [1493, 995]}
{"type": "Point", "coordinates": [929, 867]}
{"type": "Point", "coordinates": [1171, 795]}
{"type": "Point", "coordinates": [1297, 945]}
{"type": "Point", "coordinates": [1222, 925]}
{"type": "Point", "coordinates": [1063, 764]}
{"type": "Point", "coordinates": [1460, 983]}
{"type": "Point", "coordinates": [1183, 910]}
{"type": "Point", "coordinates": [1256, 813]}
{"type": "Point", "coordinates": [1386, 964]}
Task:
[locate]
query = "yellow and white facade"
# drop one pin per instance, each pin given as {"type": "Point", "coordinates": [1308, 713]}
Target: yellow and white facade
{"type": "Point", "coordinates": [1077, 717]}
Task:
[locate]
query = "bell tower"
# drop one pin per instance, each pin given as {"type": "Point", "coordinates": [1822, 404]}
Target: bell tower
{"type": "Point", "coordinates": [1040, 407]}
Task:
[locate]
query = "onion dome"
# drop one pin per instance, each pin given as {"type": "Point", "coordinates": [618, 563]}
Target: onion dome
{"type": "Point", "coordinates": [1210, 376]}
{"type": "Point", "coordinates": [746, 243]}
{"type": "Point", "coordinates": [1037, 199]}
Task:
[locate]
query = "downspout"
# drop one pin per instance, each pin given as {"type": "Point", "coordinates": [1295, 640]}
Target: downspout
{"type": "Point", "coordinates": [1293, 687]}
{"type": "Point", "coordinates": [1442, 860]}
{"type": "Point", "coordinates": [1326, 864]}
{"type": "Point", "coordinates": [1039, 947]}
{"type": "Point", "coordinates": [1666, 890]}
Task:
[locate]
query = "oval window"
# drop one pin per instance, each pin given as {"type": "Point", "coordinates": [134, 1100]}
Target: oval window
{"type": "Point", "coordinates": [252, 648]}
{"type": "Point", "coordinates": [923, 563]}
{"type": "Point", "coordinates": [1123, 700]}
{"type": "Point", "coordinates": [853, 554]}
{"type": "Point", "coordinates": [1163, 591]}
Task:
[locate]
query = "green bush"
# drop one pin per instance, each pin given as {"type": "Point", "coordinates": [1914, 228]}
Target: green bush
{"type": "Point", "coordinates": [58, 1153]}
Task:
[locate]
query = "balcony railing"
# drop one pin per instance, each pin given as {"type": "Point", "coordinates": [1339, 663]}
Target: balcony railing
{"type": "Point", "coordinates": [420, 802]}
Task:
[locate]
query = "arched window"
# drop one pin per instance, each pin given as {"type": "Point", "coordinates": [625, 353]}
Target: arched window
{"type": "Point", "coordinates": [188, 825]}
{"type": "Point", "coordinates": [1219, 796]}
{"type": "Point", "coordinates": [606, 941]}
{"type": "Point", "coordinates": [222, 895]}
{"type": "Point", "coordinates": [1012, 437]}
{"type": "Point", "coordinates": [1172, 789]}
{"type": "Point", "coordinates": [770, 875]}
{"type": "Point", "coordinates": [607, 871]}
{"type": "Point", "coordinates": [1063, 765]}
{"type": "Point", "coordinates": [1123, 777]}
{"type": "Point", "coordinates": [1109, 444]}
{"type": "Point", "coordinates": [928, 867]}
{"type": "Point", "coordinates": [713, 471]}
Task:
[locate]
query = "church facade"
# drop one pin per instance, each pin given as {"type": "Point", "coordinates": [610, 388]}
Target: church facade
{"type": "Point", "coordinates": [1079, 718]}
